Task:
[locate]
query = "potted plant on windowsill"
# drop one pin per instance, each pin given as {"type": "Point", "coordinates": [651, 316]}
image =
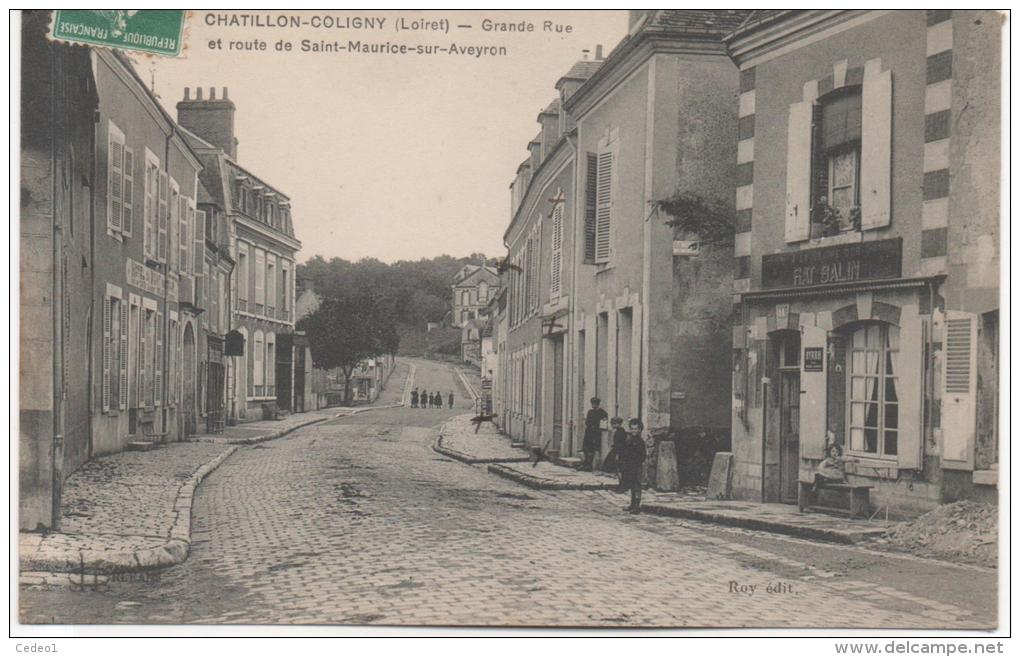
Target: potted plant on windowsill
{"type": "Point", "coordinates": [827, 221]}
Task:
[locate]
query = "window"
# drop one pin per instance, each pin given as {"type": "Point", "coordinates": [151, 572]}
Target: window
{"type": "Point", "coordinates": [260, 279]}
{"type": "Point", "coordinates": [162, 218]}
{"type": "Point", "coordinates": [135, 342]}
{"type": "Point", "coordinates": [242, 276]}
{"type": "Point", "coordinates": [284, 291]}
{"type": "Point", "coordinates": [836, 155]}
{"type": "Point", "coordinates": [872, 380]}
{"type": "Point", "coordinates": [258, 371]}
{"type": "Point", "coordinates": [172, 382]}
{"type": "Point", "coordinates": [483, 292]}
{"type": "Point", "coordinates": [270, 219]}
{"type": "Point", "coordinates": [606, 161]}
{"type": "Point", "coordinates": [115, 352]}
{"type": "Point", "coordinates": [148, 364]}
{"type": "Point", "coordinates": [196, 220]}
{"type": "Point", "coordinates": [115, 179]}
{"type": "Point", "coordinates": [179, 231]}
{"type": "Point", "coordinates": [270, 364]}
{"type": "Point", "coordinates": [270, 283]}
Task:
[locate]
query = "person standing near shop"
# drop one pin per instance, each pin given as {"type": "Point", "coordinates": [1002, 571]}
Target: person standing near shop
{"type": "Point", "coordinates": [414, 398]}
{"type": "Point", "coordinates": [593, 432]}
{"type": "Point", "coordinates": [424, 397]}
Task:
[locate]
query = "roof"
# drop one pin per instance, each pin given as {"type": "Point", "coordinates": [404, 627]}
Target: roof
{"type": "Point", "coordinates": [697, 21]}
{"type": "Point", "coordinates": [582, 70]}
{"type": "Point", "coordinates": [758, 18]}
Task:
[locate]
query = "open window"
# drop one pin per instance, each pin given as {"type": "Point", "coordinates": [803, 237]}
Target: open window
{"type": "Point", "coordinates": [836, 163]}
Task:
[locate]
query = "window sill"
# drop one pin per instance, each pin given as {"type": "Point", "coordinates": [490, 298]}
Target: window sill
{"type": "Point", "coordinates": [849, 237]}
{"type": "Point", "coordinates": [865, 465]}
{"type": "Point", "coordinates": [604, 267]}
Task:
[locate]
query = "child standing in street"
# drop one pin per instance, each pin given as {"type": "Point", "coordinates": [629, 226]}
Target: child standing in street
{"type": "Point", "coordinates": [632, 458]}
{"type": "Point", "coordinates": [618, 438]}
{"type": "Point", "coordinates": [450, 399]}
{"type": "Point", "coordinates": [593, 432]}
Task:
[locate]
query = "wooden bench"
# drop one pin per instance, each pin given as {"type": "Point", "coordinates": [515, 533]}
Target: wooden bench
{"type": "Point", "coordinates": [857, 497]}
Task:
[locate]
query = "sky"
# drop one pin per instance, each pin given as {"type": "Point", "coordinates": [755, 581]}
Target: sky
{"type": "Point", "coordinates": [388, 156]}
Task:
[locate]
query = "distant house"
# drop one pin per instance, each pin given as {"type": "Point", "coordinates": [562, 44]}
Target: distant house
{"type": "Point", "coordinates": [473, 287]}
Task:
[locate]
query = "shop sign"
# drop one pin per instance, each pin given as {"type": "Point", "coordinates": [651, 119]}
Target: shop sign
{"type": "Point", "coordinates": [140, 276]}
{"type": "Point", "coordinates": [842, 263]}
{"type": "Point", "coordinates": [814, 359]}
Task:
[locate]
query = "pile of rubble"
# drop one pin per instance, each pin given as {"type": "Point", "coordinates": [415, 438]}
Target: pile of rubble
{"type": "Point", "coordinates": [961, 531]}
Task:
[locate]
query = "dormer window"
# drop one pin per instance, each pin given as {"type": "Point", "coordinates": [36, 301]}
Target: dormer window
{"type": "Point", "coordinates": [836, 161]}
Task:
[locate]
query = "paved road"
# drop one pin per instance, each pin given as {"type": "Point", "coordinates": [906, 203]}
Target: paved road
{"type": "Point", "coordinates": [358, 521]}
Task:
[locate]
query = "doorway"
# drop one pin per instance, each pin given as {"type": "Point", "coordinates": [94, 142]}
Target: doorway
{"type": "Point", "coordinates": [557, 392]}
{"type": "Point", "coordinates": [190, 394]}
{"type": "Point", "coordinates": [789, 416]}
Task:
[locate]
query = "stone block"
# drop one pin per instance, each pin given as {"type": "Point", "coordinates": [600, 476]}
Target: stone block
{"type": "Point", "coordinates": [720, 479]}
{"type": "Point", "coordinates": [667, 475]}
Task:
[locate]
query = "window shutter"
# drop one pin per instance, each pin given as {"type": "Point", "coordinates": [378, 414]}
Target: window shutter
{"type": "Point", "coordinates": [604, 206]}
{"type": "Point", "coordinates": [175, 242]}
{"type": "Point", "coordinates": [149, 209]}
{"type": "Point", "coordinates": [107, 353]}
{"type": "Point", "coordinates": [158, 394]}
{"type": "Point", "coordinates": [876, 145]}
{"type": "Point", "coordinates": [557, 252]}
{"type": "Point", "coordinates": [959, 390]}
{"type": "Point", "coordinates": [161, 243]}
{"type": "Point", "coordinates": [197, 218]}
{"type": "Point", "coordinates": [819, 163]}
{"type": "Point", "coordinates": [798, 173]}
{"type": "Point", "coordinates": [123, 340]}
{"type": "Point", "coordinates": [813, 422]}
{"type": "Point", "coordinates": [129, 192]}
{"type": "Point", "coordinates": [590, 204]}
{"type": "Point", "coordinates": [143, 363]}
{"type": "Point", "coordinates": [260, 276]}
{"type": "Point", "coordinates": [115, 183]}
{"type": "Point", "coordinates": [913, 338]}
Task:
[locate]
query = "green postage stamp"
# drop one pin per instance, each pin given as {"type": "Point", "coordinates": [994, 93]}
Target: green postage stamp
{"type": "Point", "coordinates": [156, 31]}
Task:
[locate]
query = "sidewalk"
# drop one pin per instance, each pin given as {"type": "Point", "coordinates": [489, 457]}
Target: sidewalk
{"type": "Point", "coordinates": [131, 511]}
{"type": "Point", "coordinates": [458, 440]}
{"type": "Point", "coordinates": [692, 505]}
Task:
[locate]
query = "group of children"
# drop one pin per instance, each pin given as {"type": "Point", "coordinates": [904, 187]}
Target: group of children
{"type": "Point", "coordinates": [425, 399]}
{"type": "Point", "coordinates": [626, 456]}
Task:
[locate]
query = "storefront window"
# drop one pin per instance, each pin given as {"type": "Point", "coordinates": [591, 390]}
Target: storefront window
{"type": "Point", "coordinates": [874, 403]}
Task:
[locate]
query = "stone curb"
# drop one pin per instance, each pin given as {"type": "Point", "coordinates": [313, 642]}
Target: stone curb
{"type": "Point", "coordinates": [172, 552]}
{"type": "Point", "coordinates": [814, 533]}
{"type": "Point", "coordinates": [283, 432]}
{"type": "Point", "coordinates": [439, 448]}
{"type": "Point", "coordinates": [542, 483]}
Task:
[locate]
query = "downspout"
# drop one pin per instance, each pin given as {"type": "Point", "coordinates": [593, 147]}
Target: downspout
{"type": "Point", "coordinates": [568, 406]}
{"type": "Point", "coordinates": [165, 356]}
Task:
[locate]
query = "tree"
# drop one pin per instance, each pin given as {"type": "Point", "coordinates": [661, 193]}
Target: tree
{"type": "Point", "coordinates": [349, 326]}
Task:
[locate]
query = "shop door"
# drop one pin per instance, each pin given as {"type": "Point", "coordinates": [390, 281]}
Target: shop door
{"type": "Point", "coordinates": [789, 435]}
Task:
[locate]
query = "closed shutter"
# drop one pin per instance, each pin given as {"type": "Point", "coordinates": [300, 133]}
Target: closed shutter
{"type": "Point", "coordinates": [183, 239]}
{"type": "Point", "coordinates": [161, 241]}
{"type": "Point", "coordinates": [158, 392]}
{"type": "Point", "coordinates": [129, 192]}
{"type": "Point", "coordinates": [123, 345]}
{"type": "Point", "coordinates": [197, 219]}
{"type": "Point", "coordinates": [556, 266]}
{"type": "Point", "coordinates": [590, 205]}
{"type": "Point", "coordinates": [876, 145]}
{"type": "Point", "coordinates": [798, 172]}
{"type": "Point", "coordinates": [604, 206]}
{"type": "Point", "coordinates": [107, 353]}
{"type": "Point", "coordinates": [260, 276]}
{"type": "Point", "coordinates": [813, 422]}
{"type": "Point", "coordinates": [115, 182]}
{"type": "Point", "coordinates": [143, 360]}
{"type": "Point", "coordinates": [959, 390]}
{"type": "Point", "coordinates": [149, 209]}
{"type": "Point", "coordinates": [913, 338]}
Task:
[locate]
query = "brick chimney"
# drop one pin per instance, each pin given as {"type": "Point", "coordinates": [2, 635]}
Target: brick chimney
{"type": "Point", "coordinates": [212, 118]}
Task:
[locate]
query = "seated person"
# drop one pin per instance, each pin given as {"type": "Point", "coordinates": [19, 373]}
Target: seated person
{"type": "Point", "coordinates": [832, 469]}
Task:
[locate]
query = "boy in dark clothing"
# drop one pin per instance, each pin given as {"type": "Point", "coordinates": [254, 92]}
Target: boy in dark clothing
{"type": "Point", "coordinates": [424, 399]}
{"type": "Point", "coordinates": [450, 400]}
{"type": "Point", "coordinates": [414, 398]}
{"type": "Point", "coordinates": [632, 458]}
{"type": "Point", "coordinates": [593, 432]}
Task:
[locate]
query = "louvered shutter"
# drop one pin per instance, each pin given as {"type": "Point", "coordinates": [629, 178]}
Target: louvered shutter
{"type": "Point", "coordinates": [158, 390]}
{"type": "Point", "coordinates": [260, 276]}
{"type": "Point", "coordinates": [179, 227]}
{"type": "Point", "coordinates": [590, 204]}
{"type": "Point", "coordinates": [604, 206]}
{"type": "Point", "coordinates": [149, 209]}
{"type": "Point", "coordinates": [555, 282]}
{"type": "Point", "coordinates": [197, 218]}
{"type": "Point", "coordinates": [107, 353]}
{"type": "Point", "coordinates": [798, 172]}
{"type": "Point", "coordinates": [115, 183]}
{"type": "Point", "coordinates": [161, 243]}
{"type": "Point", "coordinates": [129, 192]}
{"type": "Point", "coordinates": [959, 390]}
{"type": "Point", "coordinates": [876, 145]}
{"type": "Point", "coordinates": [123, 345]}
{"type": "Point", "coordinates": [143, 359]}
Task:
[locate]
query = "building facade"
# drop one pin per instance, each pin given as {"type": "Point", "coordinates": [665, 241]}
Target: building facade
{"type": "Point", "coordinates": [866, 300]}
{"type": "Point", "coordinates": [261, 382]}
{"type": "Point", "coordinates": [473, 287]}
{"type": "Point", "coordinates": [57, 201]}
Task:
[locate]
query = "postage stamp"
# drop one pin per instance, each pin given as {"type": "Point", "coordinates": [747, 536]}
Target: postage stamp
{"type": "Point", "coordinates": [159, 32]}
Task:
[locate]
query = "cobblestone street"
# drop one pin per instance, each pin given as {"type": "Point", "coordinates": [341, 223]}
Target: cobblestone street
{"type": "Point", "coordinates": [359, 521]}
